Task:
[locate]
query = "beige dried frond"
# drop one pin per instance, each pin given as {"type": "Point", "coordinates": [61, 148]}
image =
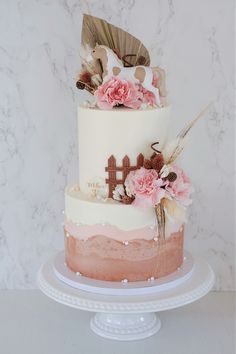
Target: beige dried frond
{"type": "Point", "coordinates": [173, 149]}
{"type": "Point", "coordinates": [96, 30]}
{"type": "Point", "coordinates": [160, 215]}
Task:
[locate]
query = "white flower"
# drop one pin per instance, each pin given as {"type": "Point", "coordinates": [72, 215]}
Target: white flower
{"type": "Point", "coordinates": [166, 169]}
{"type": "Point", "coordinates": [118, 192]}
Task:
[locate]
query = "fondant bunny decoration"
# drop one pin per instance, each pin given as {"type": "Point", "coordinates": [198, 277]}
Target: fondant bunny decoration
{"type": "Point", "coordinates": [113, 66]}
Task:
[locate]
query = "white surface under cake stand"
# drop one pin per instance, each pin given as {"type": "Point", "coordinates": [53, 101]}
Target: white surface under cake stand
{"type": "Point", "coordinates": [127, 317]}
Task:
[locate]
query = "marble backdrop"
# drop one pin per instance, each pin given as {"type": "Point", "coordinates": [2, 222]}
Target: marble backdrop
{"type": "Point", "coordinates": [39, 59]}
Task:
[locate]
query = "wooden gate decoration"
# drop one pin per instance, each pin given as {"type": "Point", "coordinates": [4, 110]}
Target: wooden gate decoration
{"type": "Point", "coordinates": [112, 169]}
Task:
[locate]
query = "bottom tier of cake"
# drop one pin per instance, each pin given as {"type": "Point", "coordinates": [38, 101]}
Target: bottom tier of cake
{"type": "Point", "coordinates": [108, 240]}
{"type": "Point", "coordinates": [103, 258]}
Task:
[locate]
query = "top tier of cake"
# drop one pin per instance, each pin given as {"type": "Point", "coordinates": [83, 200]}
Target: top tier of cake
{"type": "Point", "coordinates": [118, 132]}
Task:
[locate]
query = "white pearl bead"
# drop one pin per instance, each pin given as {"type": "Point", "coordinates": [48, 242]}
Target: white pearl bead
{"type": "Point", "coordinates": [124, 281]}
{"type": "Point", "coordinates": [126, 243]}
{"type": "Point", "coordinates": [155, 239]}
{"type": "Point", "coordinates": [151, 279]}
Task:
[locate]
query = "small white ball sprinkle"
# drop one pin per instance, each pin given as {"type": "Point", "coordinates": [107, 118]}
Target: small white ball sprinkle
{"type": "Point", "coordinates": [67, 234]}
{"type": "Point", "coordinates": [126, 243]}
{"type": "Point", "coordinates": [155, 239]}
{"type": "Point", "coordinates": [78, 273]}
{"type": "Point", "coordinates": [124, 281]}
{"type": "Point", "coordinates": [151, 279]}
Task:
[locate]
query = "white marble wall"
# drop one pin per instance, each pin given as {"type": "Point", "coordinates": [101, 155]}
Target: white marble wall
{"type": "Point", "coordinates": [39, 59]}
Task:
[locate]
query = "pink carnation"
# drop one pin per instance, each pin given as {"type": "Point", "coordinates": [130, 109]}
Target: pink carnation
{"type": "Point", "coordinates": [118, 92]}
{"type": "Point", "coordinates": [145, 185]}
{"type": "Point", "coordinates": [181, 188]}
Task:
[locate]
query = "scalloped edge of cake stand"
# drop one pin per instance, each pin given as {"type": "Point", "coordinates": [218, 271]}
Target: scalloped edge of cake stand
{"type": "Point", "coordinates": [127, 317]}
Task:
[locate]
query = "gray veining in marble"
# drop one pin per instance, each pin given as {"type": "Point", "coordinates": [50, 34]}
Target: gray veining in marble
{"type": "Point", "coordinates": [39, 59]}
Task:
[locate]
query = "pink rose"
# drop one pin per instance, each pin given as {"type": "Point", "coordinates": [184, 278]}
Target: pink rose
{"type": "Point", "coordinates": [181, 188]}
{"type": "Point", "coordinates": [118, 92]}
{"type": "Point", "coordinates": [145, 185]}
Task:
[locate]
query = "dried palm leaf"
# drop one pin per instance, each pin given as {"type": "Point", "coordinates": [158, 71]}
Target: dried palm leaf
{"type": "Point", "coordinates": [173, 149]}
{"type": "Point", "coordinates": [96, 30]}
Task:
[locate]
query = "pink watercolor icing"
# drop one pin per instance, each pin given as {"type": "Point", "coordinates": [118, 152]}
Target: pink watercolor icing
{"type": "Point", "coordinates": [84, 232]}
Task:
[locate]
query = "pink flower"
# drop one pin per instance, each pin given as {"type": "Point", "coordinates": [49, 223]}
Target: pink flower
{"type": "Point", "coordinates": [145, 185]}
{"type": "Point", "coordinates": [181, 188]}
{"type": "Point", "coordinates": [118, 92]}
{"type": "Point", "coordinates": [148, 97]}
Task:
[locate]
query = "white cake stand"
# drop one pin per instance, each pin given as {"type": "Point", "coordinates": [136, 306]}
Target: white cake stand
{"type": "Point", "coordinates": [127, 316]}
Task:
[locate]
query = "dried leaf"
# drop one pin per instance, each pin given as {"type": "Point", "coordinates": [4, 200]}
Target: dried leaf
{"type": "Point", "coordinates": [160, 214]}
{"type": "Point", "coordinates": [96, 30]}
{"type": "Point", "coordinates": [173, 149]}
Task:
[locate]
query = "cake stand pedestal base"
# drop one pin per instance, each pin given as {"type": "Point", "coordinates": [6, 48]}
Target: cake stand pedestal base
{"type": "Point", "coordinates": [125, 326]}
{"type": "Point", "coordinates": [127, 317]}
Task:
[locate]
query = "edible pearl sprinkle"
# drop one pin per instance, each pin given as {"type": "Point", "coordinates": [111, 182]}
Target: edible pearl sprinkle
{"type": "Point", "coordinates": [78, 273]}
{"type": "Point", "coordinates": [67, 234]}
{"type": "Point", "coordinates": [124, 281]}
{"type": "Point", "coordinates": [155, 239]}
{"type": "Point", "coordinates": [151, 279]}
{"type": "Point", "coordinates": [126, 243]}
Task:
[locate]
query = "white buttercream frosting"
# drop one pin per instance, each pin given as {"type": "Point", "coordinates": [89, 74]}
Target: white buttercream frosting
{"type": "Point", "coordinates": [118, 132]}
{"type": "Point", "coordinates": [81, 209]}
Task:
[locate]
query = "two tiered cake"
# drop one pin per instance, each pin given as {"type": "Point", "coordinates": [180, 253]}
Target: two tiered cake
{"type": "Point", "coordinates": [124, 221]}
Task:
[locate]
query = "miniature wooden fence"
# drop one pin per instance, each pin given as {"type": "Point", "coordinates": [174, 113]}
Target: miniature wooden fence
{"type": "Point", "coordinates": [112, 170]}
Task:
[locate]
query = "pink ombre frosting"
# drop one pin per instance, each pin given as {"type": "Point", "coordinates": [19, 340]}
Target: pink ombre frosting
{"type": "Point", "coordinates": [84, 232]}
{"type": "Point", "coordinates": [103, 258]}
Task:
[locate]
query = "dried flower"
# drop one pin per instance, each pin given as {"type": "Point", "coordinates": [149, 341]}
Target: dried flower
{"type": "Point", "coordinates": [85, 77]}
{"type": "Point", "coordinates": [127, 200]}
{"type": "Point", "coordinates": [119, 192]}
{"type": "Point", "coordinates": [157, 162]}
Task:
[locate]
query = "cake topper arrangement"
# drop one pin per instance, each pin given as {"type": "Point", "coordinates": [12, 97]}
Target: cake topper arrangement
{"type": "Point", "coordinates": [116, 68]}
